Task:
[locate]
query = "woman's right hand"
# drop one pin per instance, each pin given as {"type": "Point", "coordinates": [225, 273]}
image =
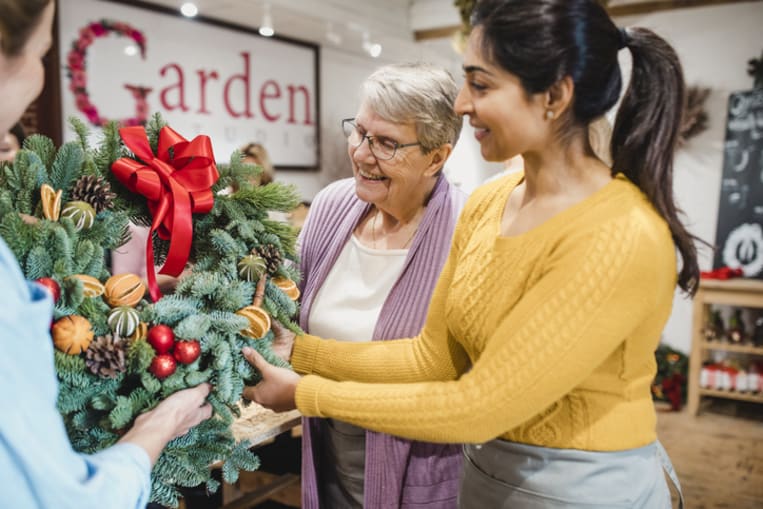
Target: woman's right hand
{"type": "Point", "coordinates": [171, 418]}
{"type": "Point", "coordinates": [185, 409]}
{"type": "Point", "coordinates": [283, 343]}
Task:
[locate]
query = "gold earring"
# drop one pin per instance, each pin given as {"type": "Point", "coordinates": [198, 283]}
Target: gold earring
{"type": "Point", "coordinates": [549, 115]}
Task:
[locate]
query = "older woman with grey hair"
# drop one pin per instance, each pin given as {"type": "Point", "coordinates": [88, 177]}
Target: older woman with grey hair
{"type": "Point", "coordinates": [372, 249]}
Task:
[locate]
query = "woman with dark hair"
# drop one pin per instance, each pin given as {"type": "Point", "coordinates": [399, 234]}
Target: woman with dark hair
{"type": "Point", "coordinates": [538, 349]}
{"type": "Point", "coordinates": [38, 466]}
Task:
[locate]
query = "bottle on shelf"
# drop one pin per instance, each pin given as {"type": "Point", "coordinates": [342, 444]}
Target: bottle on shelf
{"type": "Point", "coordinates": [736, 332]}
{"type": "Point", "coordinates": [714, 328]}
{"type": "Point", "coordinates": [757, 335]}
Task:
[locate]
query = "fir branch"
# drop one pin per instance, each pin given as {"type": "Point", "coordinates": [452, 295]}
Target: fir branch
{"type": "Point", "coordinates": [171, 309]}
{"type": "Point", "coordinates": [194, 378]}
{"type": "Point", "coordinates": [109, 150]}
{"type": "Point", "coordinates": [82, 131]}
{"type": "Point", "coordinates": [163, 493]}
{"type": "Point", "coordinates": [273, 196]}
{"type": "Point", "coordinates": [96, 311]}
{"type": "Point", "coordinates": [38, 263]}
{"type": "Point", "coordinates": [287, 236]}
{"type": "Point", "coordinates": [43, 147]}
{"type": "Point", "coordinates": [72, 293]}
{"type": "Point", "coordinates": [227, 323]}
{"type": "Point", "coordinates": [16, 235]}
{"type": "Point", "coordinates": [23, 179]}
{"type": "Point", "coordinates": [149, 381]}
{"type": "Point", "coordinates": [193, 326]}
{"type": "Point", "coordinates": [71, 369]}
{"type": "Point", "coordinates": [83, 255]}
{"type": "Point", "coordinates": [173, 383]}
{"type": "Point", "coordinates": [153, 127]}
{"type": "Point", "coordinates": [66, 168]}
{"type": "Point", "coordinates": [234, 296]}
{"type": "Point", "coordinates": [139, 357]}
{"type": "Point", "coordinates": [103, 402]}
{"type": "Point", "coordinates": [122, 414]}
{"type": "Point", "coordinates": [224, 244]}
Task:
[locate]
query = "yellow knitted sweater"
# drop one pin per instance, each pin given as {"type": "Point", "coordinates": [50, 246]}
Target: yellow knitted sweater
{"type": "Point", "coordinates": [545, 338]}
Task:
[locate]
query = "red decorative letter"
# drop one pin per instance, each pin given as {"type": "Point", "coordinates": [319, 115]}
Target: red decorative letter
{"type": "Point", "coordinates": [180, 86]}
{"type": "Point", "coordinates": [203, 89]}
{"type": "Point", "coordinates": [76, 65]}
{"type": "Point", "coordinates": [306, 93]}
{"type": "Point", "coordinates": [264, 95]}
{"type": "Point", "coordinates": [246, 78]}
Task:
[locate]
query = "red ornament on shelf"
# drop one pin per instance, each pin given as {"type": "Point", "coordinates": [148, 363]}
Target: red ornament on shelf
{"type": "Point", "coordinates": [187, 351]}
{"type": "Point", "coordinates": [161, 338]}
{"type": "Point", "coordinates": [162, 366]}
{"type": "Point", "coordinates": [51, 286]}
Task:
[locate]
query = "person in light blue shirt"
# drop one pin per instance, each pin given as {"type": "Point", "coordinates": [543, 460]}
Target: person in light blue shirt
{"type": "Point", "coordinates": [38, 467]}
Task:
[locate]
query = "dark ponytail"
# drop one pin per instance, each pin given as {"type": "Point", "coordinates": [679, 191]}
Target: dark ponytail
{"type": "Point", "coordinates": [542, 41]}
{"type": "Point", "coordinates": [645, 134]}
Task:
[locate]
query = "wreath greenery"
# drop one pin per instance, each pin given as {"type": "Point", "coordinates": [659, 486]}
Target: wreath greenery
{"type": "Point", "coordinates": [111, 380]}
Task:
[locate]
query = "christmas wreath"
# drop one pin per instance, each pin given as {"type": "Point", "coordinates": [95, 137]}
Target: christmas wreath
{"type": "Point", "coordinates": [117, 352]}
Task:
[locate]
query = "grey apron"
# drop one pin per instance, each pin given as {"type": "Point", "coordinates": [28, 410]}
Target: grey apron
{"type": "Point", "coordinates": [507, 475]}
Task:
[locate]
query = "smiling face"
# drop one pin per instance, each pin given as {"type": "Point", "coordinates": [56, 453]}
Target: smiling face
{"type": "Point", "coordinates": [22, 76]}
{"type": "Point", "coordinates": [391, 184]}
{"type": "Point", "coordinates": [507, 120]}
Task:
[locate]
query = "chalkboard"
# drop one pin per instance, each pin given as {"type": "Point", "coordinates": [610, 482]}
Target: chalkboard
{"type": "Point", "coordinates": [739, 237]}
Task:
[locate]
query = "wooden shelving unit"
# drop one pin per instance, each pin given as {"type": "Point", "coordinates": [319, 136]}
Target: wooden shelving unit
{"type": "Point", "coordinates": [743, 293]}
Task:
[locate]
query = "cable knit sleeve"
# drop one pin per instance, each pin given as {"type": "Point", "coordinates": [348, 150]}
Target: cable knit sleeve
{"type": "Point", "coordinates": [595, 288]}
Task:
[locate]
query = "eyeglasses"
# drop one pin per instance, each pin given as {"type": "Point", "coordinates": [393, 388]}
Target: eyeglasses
{"type": "Point", "coordinates": [382, 148]}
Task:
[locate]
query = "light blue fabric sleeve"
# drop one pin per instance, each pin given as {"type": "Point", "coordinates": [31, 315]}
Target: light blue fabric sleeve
{"type": "Point", "coordinates": [38, 467]}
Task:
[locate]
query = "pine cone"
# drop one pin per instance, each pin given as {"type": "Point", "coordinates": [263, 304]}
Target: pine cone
{"type": "Point", "coordinates": [106, 357]}
{"type": "Point", "coordinates": [94, 190]}
{"type": "Point", "coordinates": [271, 255]}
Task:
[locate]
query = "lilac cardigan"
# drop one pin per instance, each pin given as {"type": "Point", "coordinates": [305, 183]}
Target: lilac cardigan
{"type": "Point", "coordinates": [399, 473]}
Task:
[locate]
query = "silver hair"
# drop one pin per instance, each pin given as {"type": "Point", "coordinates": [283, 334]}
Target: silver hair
{"type": "Point", "coordinates": [416, 92]}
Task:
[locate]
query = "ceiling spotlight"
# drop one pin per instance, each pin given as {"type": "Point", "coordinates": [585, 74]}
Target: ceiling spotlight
{"type": "Point", "coordinates": [189, 10]}
{"type": "Point", "coordinates": [266, 27]}
{"type": "Point", "coordinates": [131, 50]}
{"type": "Point", "coordinates": [375, 50]}
{"type": "Point", "coordinates": [372, 48]}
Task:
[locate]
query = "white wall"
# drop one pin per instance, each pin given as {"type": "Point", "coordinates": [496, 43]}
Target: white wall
{"type": "Point", "coordinates": [714, 44]}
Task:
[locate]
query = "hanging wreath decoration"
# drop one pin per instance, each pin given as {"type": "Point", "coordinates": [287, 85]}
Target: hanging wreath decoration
{"type": "Point", "coordinates": [76, 71]}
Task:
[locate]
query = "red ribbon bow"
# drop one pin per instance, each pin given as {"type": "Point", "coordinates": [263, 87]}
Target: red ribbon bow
{"type": "Point", "coordinates": [176, 186]}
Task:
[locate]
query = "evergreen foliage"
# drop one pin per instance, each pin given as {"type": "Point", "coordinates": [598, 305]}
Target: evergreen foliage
{"type": "Point", "coordinates": [96, 410]}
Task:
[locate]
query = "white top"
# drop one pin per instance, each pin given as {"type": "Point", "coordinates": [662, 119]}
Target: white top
{"type": "Point", "coordinates": [348, 303]}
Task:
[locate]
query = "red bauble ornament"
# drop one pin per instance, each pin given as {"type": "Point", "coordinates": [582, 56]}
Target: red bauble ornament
{"type": "Point", "coordinates": [162, 366]}
{"type": "Point", "coordinates": [187, 351]}
{"type": "Point", "coordinates": [161, 338]}
{"type": "Point", "coordinates": [51, 286]}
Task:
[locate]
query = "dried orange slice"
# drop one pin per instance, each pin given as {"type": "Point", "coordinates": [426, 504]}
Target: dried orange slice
{"type": "Point", "coordinates": [287, 286]}
{"type": "Point", "coordinates": [91, 286]}
{"type": "Point", "coordinates": [51, 202]}
{"type": "Point", "coordinates": [259, 321]}
{"type": "Point", "coordinates": [124, 290]}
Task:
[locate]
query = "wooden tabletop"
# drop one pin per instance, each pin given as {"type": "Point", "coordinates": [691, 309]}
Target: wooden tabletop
{"type": "Point", "coordinates": [258, 424]}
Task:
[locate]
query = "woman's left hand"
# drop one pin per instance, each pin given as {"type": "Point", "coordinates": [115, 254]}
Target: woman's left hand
{"type": "Point", "coordinates": [278, 387]}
